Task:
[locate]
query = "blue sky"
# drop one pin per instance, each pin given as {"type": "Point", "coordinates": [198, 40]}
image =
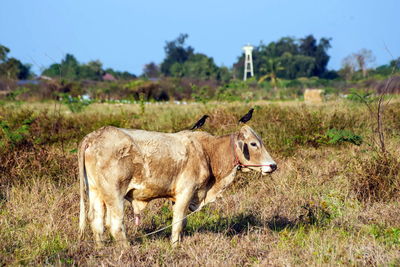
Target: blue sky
{"type": "Point", "coordinates": [126, 34]}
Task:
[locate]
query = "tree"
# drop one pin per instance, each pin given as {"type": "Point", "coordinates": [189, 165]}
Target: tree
{"type": "Point", "coordinates": [395, 64]}
{"type": "Point", "coordinates": [181, 61]}
{"type": "Point", "coordinates": [177, 70]}
{"type": "Point", "coordinates": [308, 47]}
{"type": "Point", "coordinates": [200, 66]}
{"type": "Point", "coordinates": [364, 58]}
{"type": "Point", "coordinates": [67, 69]}
{"type": "Point", "coordinates": [388, 69]}
{"type": "Point", "coordinates": [175, 52]}
{"type": "Point", "coordinates": [296, 66]}
{"type": "Point", "coordinates": [121, 75]}
{"type": "Point", "coordinates": [272, 67]}
{"type": "Point", "coordinates": [322, 57]}
{"type": "Point", "coordinates": [359, 61]}
{"type": "Point", "coordinates": [93, 70]}
{"type": "Point", "coordinates": [71, 69]}
{"type": "Point", "coordinates": [282, 46]}
{"type": "Point", "coordinates": [348, 68]}
{"type": "Point", "coordinates": [12, 68]}
{"type": "Point", "coordinates": [3, 53]}
{"type": "Point", "coordinates": [151, 70]}
{"type": "Point", "coordinates": [224, 74]}
{"type": "Point", "coordinates": [54, 71]}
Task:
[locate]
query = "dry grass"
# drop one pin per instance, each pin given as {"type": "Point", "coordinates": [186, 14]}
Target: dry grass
{"type": "Point", "coordinates": [309, 212]}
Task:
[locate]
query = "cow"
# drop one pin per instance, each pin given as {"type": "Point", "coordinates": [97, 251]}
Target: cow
{"type": "Point", "coordinates": [189, 168]}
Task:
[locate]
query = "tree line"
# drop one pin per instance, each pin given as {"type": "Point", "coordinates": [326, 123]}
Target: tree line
{"type": "Point", "coordinates": [287, 58]}
{"type": "Point", "coordinates": [71, 69]}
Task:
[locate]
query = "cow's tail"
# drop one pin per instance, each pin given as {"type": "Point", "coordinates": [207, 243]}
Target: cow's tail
{"type": "Point", "coordinates": [83, 182]}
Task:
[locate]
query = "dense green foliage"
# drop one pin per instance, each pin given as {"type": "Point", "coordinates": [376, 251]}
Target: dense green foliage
{"type": "Point", "coordinates": [387, 69]}
{"type": "Point", "coordinates": [71, 69]}
{"type": "Point", "coordinates": [181, 61]}
{"type": "Point", "coordinates": [283, 69]}
{"type": "Point", "coordinates": [12, 68]}
{"type": "Point", "coordinates": [295, 58]}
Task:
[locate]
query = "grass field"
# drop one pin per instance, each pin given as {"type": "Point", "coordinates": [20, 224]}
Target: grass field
{"type": "Point", "coordinates": [332, 201]}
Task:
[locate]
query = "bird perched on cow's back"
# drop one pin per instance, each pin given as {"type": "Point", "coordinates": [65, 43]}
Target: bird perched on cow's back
{"type": "Point", "coordinates": [247, 117]}
{"type": "Point", "coordinates": [200, 123]}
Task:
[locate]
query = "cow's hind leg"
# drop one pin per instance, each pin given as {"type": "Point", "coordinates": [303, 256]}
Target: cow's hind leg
{"type": "Point", "coordinates": [96, 216]}
{"type": "Point", "coordinates": [179, 221]}
{"type": "Point", "coordinates": [115, 219]}
{"type": "Point", "coordinates": [108, 217]}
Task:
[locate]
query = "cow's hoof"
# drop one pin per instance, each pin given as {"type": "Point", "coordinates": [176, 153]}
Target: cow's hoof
{"type": "Point", "coordinates": [124, 244]}
{"type": "Point", "coordinates": [176, 243]}
{"type": "Point", "coordinates": [99, 244]}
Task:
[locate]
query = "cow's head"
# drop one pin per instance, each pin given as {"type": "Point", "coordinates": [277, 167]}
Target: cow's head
{"type": "Point", "coordinates": [251, 153]}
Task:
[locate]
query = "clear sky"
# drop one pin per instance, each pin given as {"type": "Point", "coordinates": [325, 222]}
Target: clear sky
{"type": "Point", "coordinates": [126, 34]}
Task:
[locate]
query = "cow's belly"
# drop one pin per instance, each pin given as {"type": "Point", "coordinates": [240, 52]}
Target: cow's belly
{"type": "Point", "coordinates": [148, 188]}
{"type": "Point", "coordinates": [150, 194]}
{"type": "Point", "coordinates": [159, 177]}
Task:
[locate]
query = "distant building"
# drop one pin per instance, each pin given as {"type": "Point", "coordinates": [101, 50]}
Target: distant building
{"type": "Point", "coordinates": [44, 77]}
{"type": "Point", "coordinates": [35, 81]}
{"type": "Point", "coordinates": [27, 82]}
{"type": "Point", "coordinates": [108, 77]}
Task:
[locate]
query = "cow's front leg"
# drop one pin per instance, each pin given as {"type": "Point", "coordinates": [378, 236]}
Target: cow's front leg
{"type": "Point", "coordinates": [180, 209]}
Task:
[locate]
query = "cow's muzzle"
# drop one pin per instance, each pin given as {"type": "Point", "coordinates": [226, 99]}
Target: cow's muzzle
{"type": "Point", "coordinates": [268, 168]}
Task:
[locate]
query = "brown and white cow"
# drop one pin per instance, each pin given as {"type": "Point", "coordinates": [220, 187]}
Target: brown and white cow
{"type": "Point", "coordinates": [189, 168]}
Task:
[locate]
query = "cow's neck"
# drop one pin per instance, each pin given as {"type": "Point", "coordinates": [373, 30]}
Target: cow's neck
{"type": "Point", "coordinates": [220, 153]}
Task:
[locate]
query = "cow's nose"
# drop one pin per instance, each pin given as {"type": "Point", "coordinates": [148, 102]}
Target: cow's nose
{"type": "Point", "coordinates": [273, 167]}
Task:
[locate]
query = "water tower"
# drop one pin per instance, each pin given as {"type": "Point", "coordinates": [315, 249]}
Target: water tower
{"type": "Point", "coordinates": [248, 61]}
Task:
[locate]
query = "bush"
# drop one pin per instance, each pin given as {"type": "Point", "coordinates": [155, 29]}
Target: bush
{"type": "Point", "coordinates": [335, 136]}
{"type": "Point", "coordinates": [375, 177]}
{"type": "Point", "coordinates": [13, 137]}
{"type": "Point", "coordinates": [360, 96]}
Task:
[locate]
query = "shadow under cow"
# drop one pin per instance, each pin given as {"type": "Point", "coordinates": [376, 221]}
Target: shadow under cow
{"type": "Point", "coordinates": [212, 222]}
{"type": "Point", "coordinates": [230, 226]}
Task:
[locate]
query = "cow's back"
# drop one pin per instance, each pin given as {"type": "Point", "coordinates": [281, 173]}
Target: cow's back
{"type": "Point", "coordinates": [164, 154]}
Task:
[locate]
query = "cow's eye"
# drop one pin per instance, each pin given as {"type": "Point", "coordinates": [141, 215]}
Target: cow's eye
{"type": "Point", "coordinates": [253, 144]}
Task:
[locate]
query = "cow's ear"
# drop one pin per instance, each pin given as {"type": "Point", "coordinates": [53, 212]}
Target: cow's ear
{"type": "Point", "coordinates": [240, 145]}
{"type": "Point", "coordinates": [246, 152]}
{"type": "Point", "coordinates": [241, 136]}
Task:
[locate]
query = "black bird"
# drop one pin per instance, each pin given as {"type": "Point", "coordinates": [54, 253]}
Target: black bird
{"type": "Point", "coordinates": [247, 117]}
{"type": "Point", "coordinates": [200, 123]}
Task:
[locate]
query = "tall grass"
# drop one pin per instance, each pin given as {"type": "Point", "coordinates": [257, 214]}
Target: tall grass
{"type": "Point", "coordinates": [331, 202]}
